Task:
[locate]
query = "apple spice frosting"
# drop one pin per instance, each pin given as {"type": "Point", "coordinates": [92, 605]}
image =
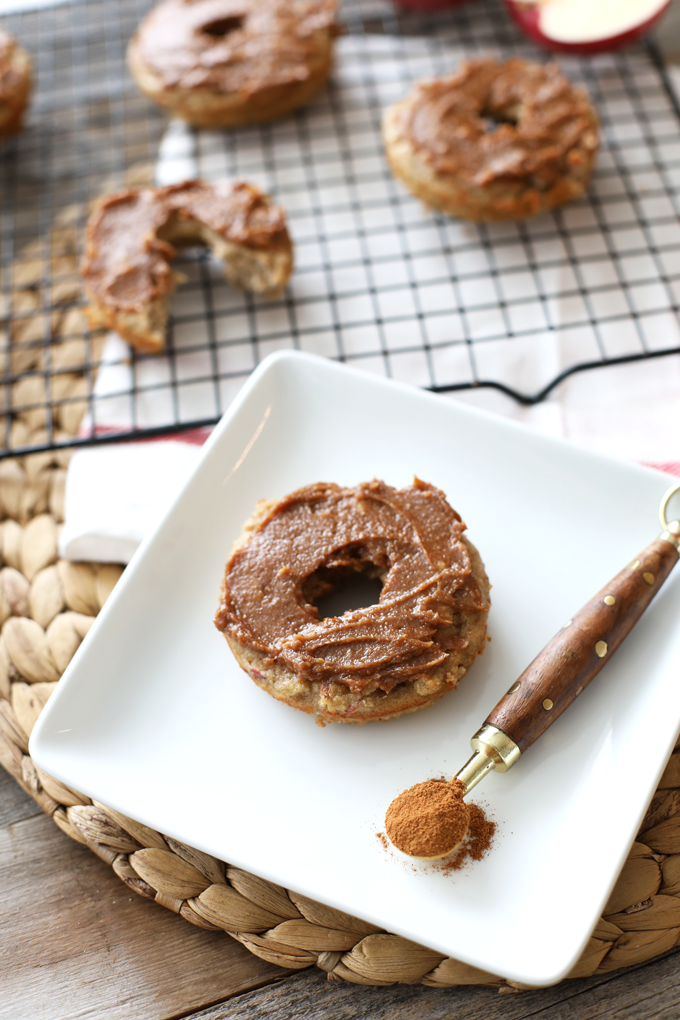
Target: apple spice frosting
{"type": "Point", "coordinates": [319, 534]}
{"type": "Point", "coordinates": [127, 259]}
{"type": "Point", "coordinates": [492, 121]}
{"type": "Point", "coordinates": [9, 79]}
{"type": "Point", "coordinates": [233, 45]}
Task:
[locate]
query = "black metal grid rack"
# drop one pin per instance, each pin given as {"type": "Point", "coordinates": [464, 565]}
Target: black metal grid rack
{"type": "Point", "coordinates": [380, 281]}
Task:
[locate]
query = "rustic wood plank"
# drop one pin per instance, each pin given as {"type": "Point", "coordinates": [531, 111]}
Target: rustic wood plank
{"type": "Point", "coordinates": [15, 805]}
{"type": "Point", "coordinates": [648, 992]}
{"type": "Point", "coordinates": [75, 942]}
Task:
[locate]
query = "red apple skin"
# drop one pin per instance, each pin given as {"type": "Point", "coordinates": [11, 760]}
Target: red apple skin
{"type": "Point", "coordinates": [526, 17]}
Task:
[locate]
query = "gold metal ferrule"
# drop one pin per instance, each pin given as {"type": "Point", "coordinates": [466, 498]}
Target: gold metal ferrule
{"type": "Point", "coordinates": [496, 745]}
{"type": "Point", "coordinates": [672, 535]}
{"type": "Point", "coordinates": [671, 530]}
{"type": "Point", "coordinates": [494, 750]}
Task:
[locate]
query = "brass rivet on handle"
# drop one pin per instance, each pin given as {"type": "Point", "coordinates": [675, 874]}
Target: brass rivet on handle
{"type": "Point", "coordinates": [547, 704]}
{"type": "Point", "coordinates": [515, 687]}
{"type": "Point", "coordinates": [609, 600]}
{"type": "Point", "coordinates": [601, 649]}
{"type": "Point", "coordinates": [579, 691]}
{"type": "Point", "coordinates": [648, 578]}
{"type": "Point", "coordinates": [568, 623]}
{"type": "Point", "coordinates": [635, 564]}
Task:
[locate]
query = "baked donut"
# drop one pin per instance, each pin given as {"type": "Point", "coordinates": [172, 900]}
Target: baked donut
{"type": "Point", "coordinates": [131, 237]}
{"type": "Point", "coordinates": [369, 664]}
{"type": "Point", "coordinates": [224, 63]}
{"type": "Point", "coordinates": [494, 141]}
{"type": "Point", "coordinates": [16, 79]}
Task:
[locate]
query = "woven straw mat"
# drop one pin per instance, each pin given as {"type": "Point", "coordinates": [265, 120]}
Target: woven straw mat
{"type": "Point", "coordinates": [47, 606]}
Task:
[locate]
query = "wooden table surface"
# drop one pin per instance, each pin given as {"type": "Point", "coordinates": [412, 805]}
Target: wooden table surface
{"type": "Point", "coordinates": [76, 943]}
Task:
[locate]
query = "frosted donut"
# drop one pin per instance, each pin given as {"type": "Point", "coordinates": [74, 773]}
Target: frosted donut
{"type": "Point", "coordinates": [16, 79]}
{"type": "Point", "coordinates": [224, 63]}
{"type": "Point", "coordinates": [494, 141]}
{"type": "Point", "coordinates": [369, 664]}
{"type": "Point", "coordinates": [130, 241]}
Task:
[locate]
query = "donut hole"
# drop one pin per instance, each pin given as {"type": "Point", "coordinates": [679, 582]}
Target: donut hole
{"type": "Point", "coordinates": [332, 591]}
{"type": "Point", "coordinates": [355, 592]}
{"type": "Point", "coordinates": [222, 27]}
{"type": "Point", "coordinates": [497, 116]}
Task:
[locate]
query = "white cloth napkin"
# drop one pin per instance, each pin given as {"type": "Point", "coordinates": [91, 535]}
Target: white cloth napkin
{"type": "Point", "coordinates": [115, 495]}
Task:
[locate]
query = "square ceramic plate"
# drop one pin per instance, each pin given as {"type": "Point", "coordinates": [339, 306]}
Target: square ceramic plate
{"type": "Point", "coordinates": [154, 717]}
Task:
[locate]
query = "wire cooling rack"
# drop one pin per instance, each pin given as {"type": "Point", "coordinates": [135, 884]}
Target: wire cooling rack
{"type": "Point", "coordinates": [381, 282]}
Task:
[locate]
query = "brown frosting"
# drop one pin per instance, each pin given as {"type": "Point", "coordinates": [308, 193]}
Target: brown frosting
{"type": "Point", "coordinates": [11, 78]}
{"type": "Point", "coordinates": [127, 258]}
{"type": "Point", "coordinates": [492, 121]}
{"type": "Point", "coordinates": [321, 533]}
{"type": "Point", "coordinates": [233, 45]}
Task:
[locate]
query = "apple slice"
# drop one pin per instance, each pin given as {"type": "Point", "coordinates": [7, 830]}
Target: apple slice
{"type": "Point", "coordinates": [586, 26]}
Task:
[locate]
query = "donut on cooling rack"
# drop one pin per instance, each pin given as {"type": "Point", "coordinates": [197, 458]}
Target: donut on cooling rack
{"type": "Point", "coordinates": [369, 664]}
{"type": "Point", "coordinates": [16, 79]}
{"type": "Point", "coordinates": [129, 245]}
{"type": "Point", "coordinates": [225, 63]}
{"type": "Point", "coordinates": [494, 141]}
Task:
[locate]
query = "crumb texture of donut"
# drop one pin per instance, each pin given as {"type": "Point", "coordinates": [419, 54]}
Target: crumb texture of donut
{"type": "Point", "coordinates": [132, 237]}
{"type": "Point", "coordinates": [396, 656]}
{"type": "Point", "coordinates": [226, 63]}
{"type": "Point", "coordinates": [494, 141]}
{"type": "Point", "coordinates": [16, 82]}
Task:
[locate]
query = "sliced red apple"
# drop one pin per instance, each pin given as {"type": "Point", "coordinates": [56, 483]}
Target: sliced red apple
{"type": "Point", "coordinates": [586, 26]}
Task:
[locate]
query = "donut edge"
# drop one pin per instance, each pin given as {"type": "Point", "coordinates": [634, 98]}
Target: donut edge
{"type": "Point", "coordinates": [450, 194]}
{"type": "Point", "coordinates": [343, 706]}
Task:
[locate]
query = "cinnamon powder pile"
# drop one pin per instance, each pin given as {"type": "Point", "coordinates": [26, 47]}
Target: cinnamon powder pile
{"type": "Point", "coordinates": [476, 844]}
{"type": "Point", "coordinates": [428, 819]}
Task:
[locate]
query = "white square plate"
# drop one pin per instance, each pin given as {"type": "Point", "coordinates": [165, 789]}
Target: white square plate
{"type": "Point", "coordinates": [154, 717]}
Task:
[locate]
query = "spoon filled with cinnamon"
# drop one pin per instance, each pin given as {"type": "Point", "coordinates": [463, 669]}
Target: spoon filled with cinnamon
{"type": "Point", "coordinates": [430, 819]}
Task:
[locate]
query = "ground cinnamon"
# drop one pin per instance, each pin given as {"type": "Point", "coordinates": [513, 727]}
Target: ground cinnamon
{"type": "Point", "coordinates": [477, 843]}
{"type": "Point", "coordinates": [429, 819]}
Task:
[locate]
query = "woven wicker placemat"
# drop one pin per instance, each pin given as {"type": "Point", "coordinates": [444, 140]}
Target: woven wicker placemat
{"type": "Point", "coordinates": [47, 606]}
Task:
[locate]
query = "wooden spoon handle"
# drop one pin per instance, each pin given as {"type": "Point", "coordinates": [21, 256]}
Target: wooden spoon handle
{"type": "Point", "coordinates": [578, 652]}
